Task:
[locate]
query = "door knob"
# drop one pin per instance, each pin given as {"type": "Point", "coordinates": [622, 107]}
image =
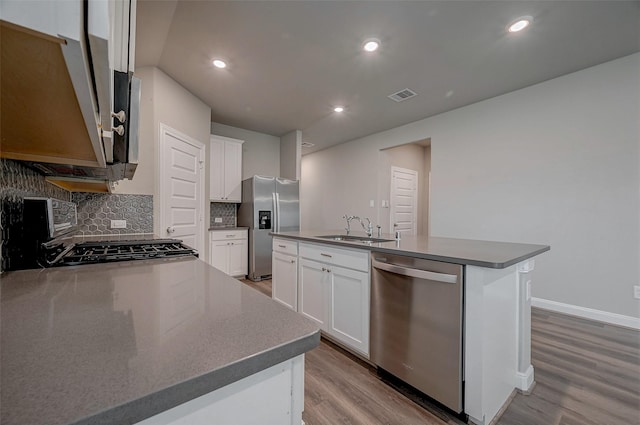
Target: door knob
{"type": "Point", "coordinates": [170, 229]}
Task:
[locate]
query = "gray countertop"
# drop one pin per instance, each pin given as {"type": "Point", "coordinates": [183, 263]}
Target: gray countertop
{"type": "Point", "coordinates": [496, 255]}
{"type": "Point", "coordinates": [228, 228]}
{"type": "Point", "coordinates": [116, 343]}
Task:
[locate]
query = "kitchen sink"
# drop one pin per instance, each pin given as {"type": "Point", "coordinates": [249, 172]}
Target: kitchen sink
{"type": "Point", "coordinates": [350, 238]}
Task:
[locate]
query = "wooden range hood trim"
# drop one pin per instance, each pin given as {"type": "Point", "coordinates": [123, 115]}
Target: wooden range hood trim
{"type": "Point", "coordinates": [80, 185]}
{"type": "Point", "coordinates": [42, 120]}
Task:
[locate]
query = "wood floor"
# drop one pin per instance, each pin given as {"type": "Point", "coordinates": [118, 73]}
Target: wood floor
{"type": "Point", "coordinates": [587, 373]}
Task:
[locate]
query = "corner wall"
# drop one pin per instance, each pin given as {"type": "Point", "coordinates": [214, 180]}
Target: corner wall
{"type": "Point", "coordinates": [556, 163]}
{"type": "Point", "coordinates": [164, 101]}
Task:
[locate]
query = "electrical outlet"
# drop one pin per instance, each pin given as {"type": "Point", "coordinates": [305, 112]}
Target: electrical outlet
{"type": "Point", "coordinates": [372, 203]}
{"type": "Point", "coordinates": [636, 292]}
{"type": "Point", "coordinates": [118, 224]}
{"type": "Point", "coordinates": [218, 220]}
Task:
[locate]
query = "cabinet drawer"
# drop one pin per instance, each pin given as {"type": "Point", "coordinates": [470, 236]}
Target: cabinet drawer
{"type": "Point", "coordinates": [222, 235]}
{"type": "Point", "coordinates": [285, 246]}
{"type": "Point", "coordinates": [357, 260]}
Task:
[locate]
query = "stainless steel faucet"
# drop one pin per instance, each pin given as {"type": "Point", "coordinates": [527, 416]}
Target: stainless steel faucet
{"type": "Point", "coordinates": [348, 218]}
{"type": "Point", "coordinates": [368, 228]}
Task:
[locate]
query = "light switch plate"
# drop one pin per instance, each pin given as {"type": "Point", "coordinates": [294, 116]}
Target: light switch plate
{"type": "Point", "coordinates": [218, 220]}
{"type": "Point", "coordinates": [118, 224]}
{"type": "Point", "coordinates": [636, 292]}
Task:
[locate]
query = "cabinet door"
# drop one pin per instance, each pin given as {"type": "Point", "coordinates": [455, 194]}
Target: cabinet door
{"type": "Point", "coordinates": [232, 171]}
{"type": "Point", "coordinates": [219, 255]}
{"type": "Point", "coordinates": [349, 298]}
{"type": "Point", "coordinates": [284, 279]}
{"type": "Point", "coordinates": [216, 170]}
{"type": "Point", "coordinates": [237, 257]}
{"type": "Point", "coordinates": [314, 291]}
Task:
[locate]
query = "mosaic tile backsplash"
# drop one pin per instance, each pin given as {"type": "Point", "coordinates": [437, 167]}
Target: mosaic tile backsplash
{"type": "Point", "coordinates": [228, 213]}
{"type": "Point", "coordinates": [96, 210]}
{"type": "Point", "coordinates": [16, 183]}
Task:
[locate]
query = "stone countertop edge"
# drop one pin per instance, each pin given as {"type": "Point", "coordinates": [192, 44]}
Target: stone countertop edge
{"type": "Point", "coordinates": [222, 228]}
{"type": "Point", "coordinates": [422, 254]}
{"type": "Point", "coordinates": [175, 395]}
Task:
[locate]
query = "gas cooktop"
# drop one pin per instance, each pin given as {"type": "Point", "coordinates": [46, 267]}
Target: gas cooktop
{"type": "Point", "coordinates": [108, 251]}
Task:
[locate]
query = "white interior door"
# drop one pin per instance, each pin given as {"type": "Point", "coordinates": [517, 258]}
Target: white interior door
{"type": "Point", "coordinates": [181, 176]}
{"type": "Point", "coordinates": [404, 200]}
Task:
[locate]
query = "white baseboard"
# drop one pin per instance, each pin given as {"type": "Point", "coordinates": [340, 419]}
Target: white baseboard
{"type": "Point", "coordinates": [588, 313]}
{"type": "Point", "coordinates": [525, 380]}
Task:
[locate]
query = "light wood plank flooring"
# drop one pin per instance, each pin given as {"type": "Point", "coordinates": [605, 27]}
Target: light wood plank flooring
{"type": "Point", "coordinates": [587, 373]}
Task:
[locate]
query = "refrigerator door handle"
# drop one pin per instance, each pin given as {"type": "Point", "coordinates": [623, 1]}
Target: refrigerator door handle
{"type": "Point", "coordinates": [277, 212]}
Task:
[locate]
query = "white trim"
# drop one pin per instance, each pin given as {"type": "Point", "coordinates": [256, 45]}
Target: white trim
{"type": "Point", "coordinates": [165, 129]}
{"type": "Point", "coordinates": [588, 313]}
{"type": "Point", "coordinates": [525, 380]}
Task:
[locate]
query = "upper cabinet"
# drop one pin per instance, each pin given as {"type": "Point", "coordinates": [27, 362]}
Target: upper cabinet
{"type": "Point", "coordinates": [60, 60]}
{"type": "Point", "coordinates": [225, 169]}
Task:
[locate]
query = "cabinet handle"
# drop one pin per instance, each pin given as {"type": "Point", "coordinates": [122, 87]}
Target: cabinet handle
{"type": "Point", "coordinates": [293, 261]}
{"type": "Point", "coordinates": [325, 255]}
{"type": "Point", "coordinates": [328, 270]}
{"type": "Point", "coordinates": [229, 236]}
{"type": "Point", "coordinates": [282, 246]}
{"type": "Point", "coordinates": [324, 270]}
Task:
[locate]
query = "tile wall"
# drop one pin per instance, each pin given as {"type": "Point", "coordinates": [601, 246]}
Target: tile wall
{"type": "Point", "coordinates": [96, 210]}
{"type": "Point", "coordinates": [228, 213]}
{"type": "Point", "coordinates": [17, 182]}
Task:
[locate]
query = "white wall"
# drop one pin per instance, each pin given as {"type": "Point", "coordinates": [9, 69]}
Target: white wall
{"type": "Point", "coordinates": [260, 152]}
{"type": "Point", "coordinates": [165, 101]}
{"type": "Point", "coordinates": [556, 163]}
{"type": "Point", "coordinates": [290, 155]}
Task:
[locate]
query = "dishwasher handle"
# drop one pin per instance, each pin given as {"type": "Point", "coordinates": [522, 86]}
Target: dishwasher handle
{"type": "Point", "coordinates": [420, 274]}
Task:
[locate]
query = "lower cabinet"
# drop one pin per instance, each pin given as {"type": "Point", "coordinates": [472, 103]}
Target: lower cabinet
{"type": "Point", "coordinates": [229, 251]}
{"type": "Point", "coordinates": [327, 284]}
{"type": "Point", "coordinates": [284, 279]}
{"type": "Point", "coordinates": [334, 296]}
{"type": "Point", "coordinates": [271, 396]}
{"type": "Point", "coordinates": [284, 272]}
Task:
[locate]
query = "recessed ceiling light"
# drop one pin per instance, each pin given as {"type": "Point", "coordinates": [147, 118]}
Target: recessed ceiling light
{"type": "Point", "coordinates": [219, 63]}
{"type": "Point", "coordinates": [338, 109]}
{"type": "Point", "coordinates": [371, 45]}
{"type": "Point", "coordinates": [520, 24]}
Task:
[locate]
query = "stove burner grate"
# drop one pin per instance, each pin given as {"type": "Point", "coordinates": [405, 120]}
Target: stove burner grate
{"type": "Point", "coordinates": [102, 252]}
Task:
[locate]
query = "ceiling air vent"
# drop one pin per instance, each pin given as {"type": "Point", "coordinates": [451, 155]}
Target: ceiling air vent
{"type": "Point", "coordinates": [307, 145]}
{"type": "Point", "coordinates": [402, 95]}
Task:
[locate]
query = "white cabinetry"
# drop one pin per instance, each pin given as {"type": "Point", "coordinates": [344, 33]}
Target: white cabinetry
{"type": "Point", "coordinates": [284, 275]}
{"type": "Point", "coordinates": [334, 292]}
{"type": "Point", "coordinates": [225, 169]}
{"type": "Point", "coordinates": [229, 251]}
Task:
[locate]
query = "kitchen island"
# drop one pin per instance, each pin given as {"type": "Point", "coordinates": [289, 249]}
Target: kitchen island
{"type": "Point", "coordinates": [495, 311]}
{"type": "Point", "coordinates": [158, 341]}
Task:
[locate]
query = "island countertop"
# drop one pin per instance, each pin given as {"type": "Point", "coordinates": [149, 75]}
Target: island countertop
{"type": "Point", "coordinates": [495, 255]}
{"type": "Point", "coordinates": [116, 343]}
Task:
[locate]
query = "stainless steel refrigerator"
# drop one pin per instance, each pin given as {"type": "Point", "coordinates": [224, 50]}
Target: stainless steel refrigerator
{"type": "Point", "coordinates": [269, 204]}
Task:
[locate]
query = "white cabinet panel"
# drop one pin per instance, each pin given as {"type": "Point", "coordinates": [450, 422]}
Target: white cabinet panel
{"type": "Point", "coordinates": [225, 165]}
{"type": "Point", "coordinates": [284, 279]}
{"type": "Point", "coordinates": [219, 255]}
{"type": "Point", "coordinates": [350, 308]}
{"type": "Point", "coordinates": [237, 257]}
{"type": "Point", "coordinates": [313, 296]}
{"type": "Point", "coordinates": [229, 251]}
{"type": "Point", "coordinates": [334, 290]}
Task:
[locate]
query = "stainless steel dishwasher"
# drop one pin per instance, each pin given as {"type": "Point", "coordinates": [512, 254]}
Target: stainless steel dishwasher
{"type": "Point", "coordinates": [416, 324]}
